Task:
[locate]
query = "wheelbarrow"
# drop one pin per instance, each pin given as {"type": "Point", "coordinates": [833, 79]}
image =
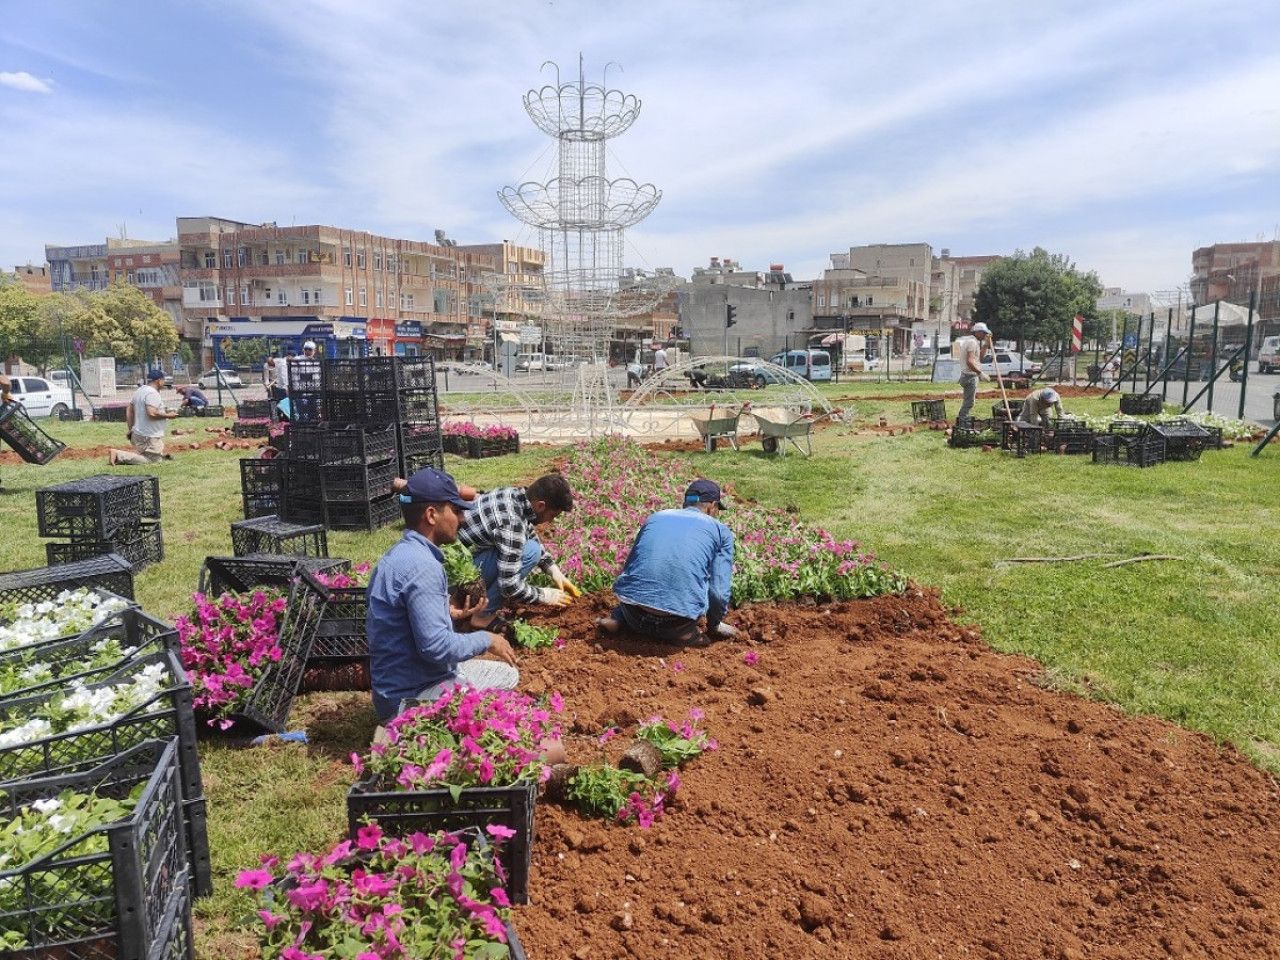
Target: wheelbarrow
{"type": "Point", "coordinates": [775, 435]}
{"type": "Point", "coordinates": [713, 427]}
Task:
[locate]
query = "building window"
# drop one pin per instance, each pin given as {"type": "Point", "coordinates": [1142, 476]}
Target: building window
{"type": "Point", "coordinates": [391, 264]}
{"type": "Point", "coordinates": [346, 258]}
{"type": "Point", "coordinates": [822, 299]}
{"type": "Point", "coordinates": [377, 298]}
{"type": "Point", "coordinates": [377, 259]}
{"type": "Point", "coordinates": [868, 300]}
{"type": "Point", "coordinates": [231, 295]}
{"type": "Point", "coordinates": [208, 293]}
{"type": "Point", "coordinates": [406, 301]}
{"type": "Point", "coordinates": [226, 258]}
{"type": "Point", "coordinates": [359, 258]}
{"type": "Point", "coordinates": [306, 296]}
{"type": "Point", "coordinates": [242, 257]}
{"type": "Point", "coordinates": [244, 295]}
{"type": "Point", "coordinates": [349, 297]}
{"type": "Point", "coordinates": [364, 297]}
{"type": "Point", "coordinates": [318, 298]}
{"type": "Point", "coordinates": [302, 256]}
{"type": "Point", "coordinates": [280, 258]}
{"type": "Point", "coordinates": [210, 260]}
{"type": "Point", "coordinates": [282, 297]}
{"type": "Point", "coordinates": [264, 258]}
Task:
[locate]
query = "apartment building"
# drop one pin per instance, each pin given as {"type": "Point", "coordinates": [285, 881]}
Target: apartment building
{"type": "Point", "coordinates": [353, 292]}
{"type": "Point", "coordinates": [153, 269]}
{"type": "Point", "coordinates": [1234, 271]}
{"type": "Point", "coordinates": [772, 311]}
{"type": "Point", "coordinates": [33, 279]}
{"type": "Point", "coordinates": [86, 266]}
{"type": "Point", "coordinates": [966, 278]}
{"type": "Point", "coordinates": [879, 289]}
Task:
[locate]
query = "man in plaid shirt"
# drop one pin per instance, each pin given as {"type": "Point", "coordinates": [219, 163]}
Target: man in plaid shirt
{"type": "Point", "coordinates": [500, 534]}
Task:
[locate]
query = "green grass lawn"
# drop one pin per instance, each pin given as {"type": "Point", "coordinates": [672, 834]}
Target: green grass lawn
{"type": "Point", "coordinates": [1194, 640]}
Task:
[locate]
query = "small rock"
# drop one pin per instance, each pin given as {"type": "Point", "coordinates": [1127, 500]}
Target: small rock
{"type": "Point", "coordinates": [759, 696]}
{"type": "Point", "coordinates": [815, 912]}
{"type": "Point", "coordinates": [642, 757]}
{"type": "Point", "coordinates": [621, 921]}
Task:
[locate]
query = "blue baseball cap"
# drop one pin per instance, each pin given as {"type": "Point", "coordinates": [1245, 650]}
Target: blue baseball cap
{"type": "Point", "coordinates": [430, 485]}
{"type": "Point", "coordinates": [703, 491]}
{"type": "Point", "coordinates": [155, 373]}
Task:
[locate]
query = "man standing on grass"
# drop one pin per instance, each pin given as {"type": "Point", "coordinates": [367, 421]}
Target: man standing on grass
{"type": "Point", "coordinates": [144, 419]}
{"type": "Point", "coordinates": [660, 359]}
{"type": "Point", "coordinates": [680, 567]}
{"type": "Point", "coordinates": [414, 649]}
{"type": "Point", "coordinates": [968, 351]}
{"type": "Point", "coordinates": [501, 535]}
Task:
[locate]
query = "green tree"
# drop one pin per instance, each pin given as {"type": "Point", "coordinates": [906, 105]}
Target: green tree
{"type": "Point", "coordinates": [1035, 297]}
{"type": "Point", "coordinates": [17, 323]}
{"type": "Point", "coordinates": [136, 329]}
{"type": "Point", "coordinates": [77, 316]}
{"type": "Point", "coordinates": [246, 351]}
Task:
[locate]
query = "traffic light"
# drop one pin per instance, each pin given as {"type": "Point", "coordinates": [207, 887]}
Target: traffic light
{"type": "Point", "coordinates": [730, 312]}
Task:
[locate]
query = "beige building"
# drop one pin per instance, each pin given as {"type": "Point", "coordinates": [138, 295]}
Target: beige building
{"type": "Point", "coordinates": [880, 289]}
{"type": "Point", "coordinates": [1234, 271]}
{"type": "Point", "coordinates": [34, 279]}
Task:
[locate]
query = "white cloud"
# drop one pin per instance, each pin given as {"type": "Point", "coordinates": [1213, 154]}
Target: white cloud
{"type": "Point", "coordinates": [21, 80]}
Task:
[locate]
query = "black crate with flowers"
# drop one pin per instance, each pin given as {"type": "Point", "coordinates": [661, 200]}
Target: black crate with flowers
{"type": "Point", "coordinates": [433, 774]}
{"type": "Point", "coordinates": [494, 441]}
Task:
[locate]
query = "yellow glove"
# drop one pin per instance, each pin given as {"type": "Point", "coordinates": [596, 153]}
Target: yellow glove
{"type": "Point", "coordinates": [564, 583]}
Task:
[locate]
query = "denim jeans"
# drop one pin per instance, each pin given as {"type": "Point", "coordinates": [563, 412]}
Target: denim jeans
{"type": "Point", "coordinates": [487, 561]}
{"type": "Point", "coordinates": [660, 626]}
{"type": "Point", "coordinates": [969, 384]}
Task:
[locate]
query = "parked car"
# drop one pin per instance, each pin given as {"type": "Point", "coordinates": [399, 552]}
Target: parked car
{"type": "Point", "coordinates": [528, 362]}
{"type": "Point", "coordinates": [1269, 355]}
{"type": "Point", "coordinates": [1010, 362]}
{"type": "Point", "coordinates": [209, 379]}
{"type": "Point", "coordinates": [761, 373]}
{"type": "Point", "coordinates": [39, 397]}
{"type": "Point", "coordinates": [810, 364]}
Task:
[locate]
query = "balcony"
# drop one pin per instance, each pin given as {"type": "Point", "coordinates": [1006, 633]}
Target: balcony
{"type": "Point", "coordinates": [272, 271]}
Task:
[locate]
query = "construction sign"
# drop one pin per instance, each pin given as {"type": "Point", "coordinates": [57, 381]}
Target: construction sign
{"type": "Point", "coordinates": [1077, 333]}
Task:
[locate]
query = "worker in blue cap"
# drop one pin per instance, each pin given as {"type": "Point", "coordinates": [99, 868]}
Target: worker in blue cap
{"type": "Point", "coordinates": [1037, 406]}
{"type": "Point", "coordinates": [415, 651]}
{"type": "Point", "coordinates": [144, 424]}
{"type": "Point", "coordinates": [680, 567]}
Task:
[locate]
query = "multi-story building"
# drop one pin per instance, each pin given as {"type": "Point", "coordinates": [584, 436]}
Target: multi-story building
{"type": "Point", "coordinates": [880, 289]}
{"type": "Point", "coordinates": [86, 266]}
{"type": "Point", "coordinates": [352, 291]}
{"type": "Point", "coordinates": [967, 278]}
{"type": "Point", "coordinates": [153, 269]}
{"type": "Point", "coordinates": [502, 299]}
{"type": "Point", "coordinates": [33, 279]}
{"type": "Point", "coordinates": [772, 311]}
{"type": "Point", "coordinates": [1234, 271]}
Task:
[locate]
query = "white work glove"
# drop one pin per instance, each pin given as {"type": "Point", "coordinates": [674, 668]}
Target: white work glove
{"type": "Point", "coordinates": [725, 630]}
{"type": "Point", "coordinates": [553, 597]}
{"type": "Point", "coordinates": [564, 583]}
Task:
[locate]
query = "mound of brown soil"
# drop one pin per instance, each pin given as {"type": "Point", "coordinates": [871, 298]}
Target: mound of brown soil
{"type": "Point", "coordinates": [887, 786]}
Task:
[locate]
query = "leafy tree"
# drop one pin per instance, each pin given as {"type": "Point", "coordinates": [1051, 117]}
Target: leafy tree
{"type": "Point", "coordinates": [76, 315]}
{"type": "Point", "coordinates": [1035, 297]}
{"type": "Point", "coordinates": [246, 351]}
{"type": "Point", "coordinates": [17, 322]}
{"type": "Point", "coordinates": [135, 328]}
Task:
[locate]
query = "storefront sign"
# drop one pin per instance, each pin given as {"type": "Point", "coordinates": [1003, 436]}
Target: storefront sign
{"type": "Point", "coordinates": [409, 329]}
{"type": "Point", "coordinates": [530, 335]}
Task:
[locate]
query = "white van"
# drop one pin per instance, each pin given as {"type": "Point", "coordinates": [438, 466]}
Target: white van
{"type": "Point", "coordinates": [810, 364]}
{"type": "Point", "coordinates": [1269, 355]}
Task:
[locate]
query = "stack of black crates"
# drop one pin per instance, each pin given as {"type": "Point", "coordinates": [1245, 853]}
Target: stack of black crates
{"type": "Point", "coordinates": [357, 424]}
{"type": "Point", "coordinates": [100, 515]}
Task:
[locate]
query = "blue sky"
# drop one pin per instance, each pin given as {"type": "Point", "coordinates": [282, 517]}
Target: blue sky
{"type": "Point", "coordinates": [1124, 134]}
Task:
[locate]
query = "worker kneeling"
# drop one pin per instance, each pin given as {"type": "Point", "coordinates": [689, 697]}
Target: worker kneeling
{"type": "Point", "coordinates": [680, 567]}
{"type": "Point", "coordinates": [1036, 407]}
{"type": "Point", "coordinates": [414, 649]}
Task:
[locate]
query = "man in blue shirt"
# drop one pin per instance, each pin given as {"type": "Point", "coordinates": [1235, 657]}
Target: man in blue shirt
{"type": "Point", "coordinates": [680, 567]}
{"type": "Point", "coordinates": [414, 650]}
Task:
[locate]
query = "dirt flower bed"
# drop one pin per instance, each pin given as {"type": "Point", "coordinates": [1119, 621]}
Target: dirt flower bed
{"type": "Point", "coordinates": [887, 786]}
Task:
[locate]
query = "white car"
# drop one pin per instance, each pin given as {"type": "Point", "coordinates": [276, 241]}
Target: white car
{"type": "Point", "coordinates": [39, 397]}
{"type": "Point", "coordinates": [209, 379]}
{"type": "Point", "coordinates": [1010, 362]}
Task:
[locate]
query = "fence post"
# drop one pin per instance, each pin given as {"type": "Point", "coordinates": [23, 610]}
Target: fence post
{"type": "Point", "coordinates": [1213, 353]}
{"type": "Point", "coordinates": [1151, 347]}
{"type": "Point", "coordinates": [1248, 342]}
{"type": "Point", "coordinates": [1191, 353]}
{"type": "Point", "coordinates": [1137, 353]}
{"type": "Point", "coordinates": [1168, 346]}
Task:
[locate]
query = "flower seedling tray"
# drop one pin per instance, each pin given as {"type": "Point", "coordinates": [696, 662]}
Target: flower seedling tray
{"type": "Point", "coordinates": [93, 507]}
{"type": "Point", "coordinates": [131, 627]}
{"type": "Point", "coordinates": [417, 439]}
{"type": "Point", "coordinates": [240, 574]}
{"type": "Point", "coordinates": [251, 429]}
{"type": "Point", "coordinates": [400, 813]}
{"type": "Point", "coordinates": [119, 890]}
{"type": "Point", "coordinates": [110, 573]}
{"type": "Point", "coordinates": [479, 448]}
{"type": "Point", "coordinates": [20, 432]}
{"type": "Point", "coordinates": [454, 443]}
{"type": "Point", "coordinates": [927, 411]}
{"type": "Point", "coordinates": [1137, 404]}
{"type": "Point", "coordinates": [980, 434]}
{"type": "Point", "coordinates": [273, 535]}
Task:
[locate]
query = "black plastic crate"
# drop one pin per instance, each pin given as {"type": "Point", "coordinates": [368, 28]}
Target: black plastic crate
{"type": "Point", "coordinates": [73, 415]}
{"type": "Point", "coordinates": [400, 813]}
{"type": "Point", "coordinates": [1072, 441]}
{"type": "Point", "coordinates": [114, 413]}
{"type": "Point", "coordinates": [380, 374]}
{"type": "Point", "coordinates": [928, 411]}
{"type": "Point", "coordinates": [1127, 428]}
{"type": "Point", "coordinates": [417, 439]}
{"type": "Point", "coordinates": [261, 505]}
{"type": "Point", "coordinates": [240, 574]}
{"type": "Point", "coordinates": [267, 708]}
{"type": "Point", "coordinates": [273, 535]}
{"type": "Point", "coordinates": [479, 448]}
{"type": "Point", "coordinates": [1215, 436]}
{"type": "Point", "coordinates": [414, 463]}
{"type": "Point", "coordinates": [344, 408]}
{"type": "Point", "coordinates": [357, 483]}
{"type": "Point", "coordinates": [454, 443]}
{"type": "Point", "coordinates": [306, 442]}
{"type": "Point", "coordinates": [359, 444]}
{"type": "Point", "coordinates": [93, 507]}
{"type": "Point", "coordinates": [1021, 438]}
{"type": "Point", "coordinates": [417, 406]}
{"type": "Point", "coordinates": [131, 627]}
{"type": "Point", "coordinates": [253, 409]}
{"type": "Point", "coordinates": [370, 515]}
{"type": "Point", "coordinates": [998, 411]}
{"type": "Point", "coordinates": [251, 429]}
{"type": "Point", "coordinates": [1183, 440]}
{"type": "Point", "coordinates": [111, 573]}
{"type": "Point", "coordinates": [81, 901]}
{"type": "Point", "coordinates": [261, 485]}
{"type": "Point", "coordinates": [1138, 404]}
{"type": "Point", "coordinates": [301, 479]}
{"type": "Point", "coordinates": [306, 406]}
{"type": "Point", "coordinates": [20, 432]}
{"type": "Point", "coordinates": [303, 510]}
{"type": "Point", "coordinates": [195, 817]}
{"type": "Point", "coordinates": [1142, 450]}
{"type": "Point", "coordinates": [167, 714]}
{"type": "Point", "coordinates": [415, 373]}
{"type": "Point", "coordinates": [341, 635]}
{"type": "Point", "coordinates": [382, 408]}
{"type": "Point", "coordinates": [343, 375]}
{"type": "Point", "coordinates": [139, 543]}
{"type": "Point", "coordinates": [974, 436]}
{"type": "Point", "coordinates": [209, 410]}
{"type": "Point", "coordinates": [305, 376]}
